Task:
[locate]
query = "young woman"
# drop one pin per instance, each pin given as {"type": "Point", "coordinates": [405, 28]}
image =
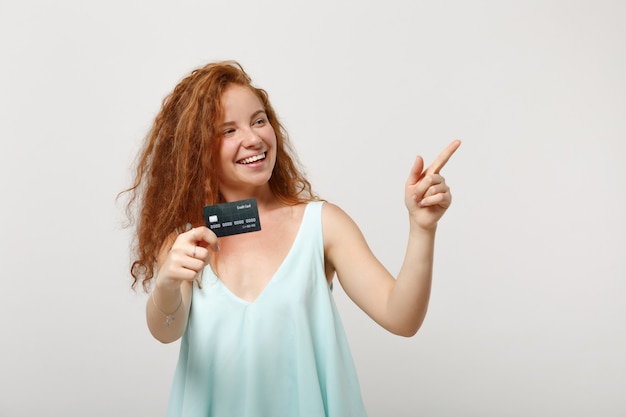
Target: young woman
{"type": "Point", "coordinates": [261, 335]}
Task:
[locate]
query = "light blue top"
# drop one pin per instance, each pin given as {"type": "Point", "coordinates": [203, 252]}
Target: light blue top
{"type": "Point", "coordinates": [283, 355]}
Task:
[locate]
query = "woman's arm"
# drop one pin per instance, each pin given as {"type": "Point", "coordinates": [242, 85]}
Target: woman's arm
{"type": "Point", "coordinates": [399, 305]}
{"type": "Point", "coordinates": [180, 260]}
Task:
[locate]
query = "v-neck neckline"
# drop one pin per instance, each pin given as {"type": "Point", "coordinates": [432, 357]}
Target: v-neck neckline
{"type": "Point", "coordinates": [276, 273]}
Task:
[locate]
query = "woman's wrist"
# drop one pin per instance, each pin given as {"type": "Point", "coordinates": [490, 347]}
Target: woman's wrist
{"type": "Point", "coordinates": [168, 303]}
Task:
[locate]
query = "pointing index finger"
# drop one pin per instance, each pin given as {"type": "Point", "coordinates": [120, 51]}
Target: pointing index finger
{"type": "Point", "coordinates": [443, 157]}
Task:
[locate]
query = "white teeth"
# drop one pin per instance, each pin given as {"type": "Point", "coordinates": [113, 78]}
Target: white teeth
{"type": "Point", "coordinates": [253, 159]}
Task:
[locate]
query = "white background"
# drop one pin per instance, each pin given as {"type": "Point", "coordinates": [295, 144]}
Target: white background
{"type": "Point", "coordinates": [528, 312]}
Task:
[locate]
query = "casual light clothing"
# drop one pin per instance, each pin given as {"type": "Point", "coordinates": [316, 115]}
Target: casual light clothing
{"type": "Point", "coordinates": [283, 355]}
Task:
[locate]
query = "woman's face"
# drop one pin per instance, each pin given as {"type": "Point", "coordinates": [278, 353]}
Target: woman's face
{"type": "Point", "coordinates": [248, 149]}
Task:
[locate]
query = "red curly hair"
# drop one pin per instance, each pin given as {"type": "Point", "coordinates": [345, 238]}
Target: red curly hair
{"type": "Point", "coordinates": [176, 168]}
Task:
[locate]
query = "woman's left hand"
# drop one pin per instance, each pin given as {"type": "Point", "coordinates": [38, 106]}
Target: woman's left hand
{"type": "Point", "coordinates": [427, 196]}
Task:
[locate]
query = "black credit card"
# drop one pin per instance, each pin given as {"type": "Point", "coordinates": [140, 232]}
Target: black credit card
{"type": "Point", "coordinates": [232, 218]}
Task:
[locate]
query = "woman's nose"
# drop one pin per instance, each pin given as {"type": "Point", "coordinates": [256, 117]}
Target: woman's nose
{"type": "Point", "coordinates": [251, 139]}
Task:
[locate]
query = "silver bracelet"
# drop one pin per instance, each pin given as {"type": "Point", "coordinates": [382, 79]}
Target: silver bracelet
{"type": "Point", "coordinates": [168, 317]}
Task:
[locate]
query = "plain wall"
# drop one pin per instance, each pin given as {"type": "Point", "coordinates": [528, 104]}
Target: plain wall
{"type": "Point", "coordinates": [528, 311]}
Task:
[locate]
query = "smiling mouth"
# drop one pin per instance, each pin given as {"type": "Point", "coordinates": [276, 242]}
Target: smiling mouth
{"type": "Point", "coordinates": [252, 159]}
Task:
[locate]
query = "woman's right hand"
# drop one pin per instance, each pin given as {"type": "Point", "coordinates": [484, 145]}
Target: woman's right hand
{"type": "Point", "coordinates": [180, 260]}
{"type": "Point", "coordinates": [186, 257]}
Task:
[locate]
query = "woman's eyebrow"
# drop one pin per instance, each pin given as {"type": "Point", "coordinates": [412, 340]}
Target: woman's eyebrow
{"type": "Point", "coordinates": [252, 116]}
{"type": "Point", "coordinates": [256, 113]}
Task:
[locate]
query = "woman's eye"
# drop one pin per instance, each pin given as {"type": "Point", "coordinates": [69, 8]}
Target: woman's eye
{"type": "Point", "coordinates": [229, 132]}
{"type": "Point", "coordinates": [260, 122]}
